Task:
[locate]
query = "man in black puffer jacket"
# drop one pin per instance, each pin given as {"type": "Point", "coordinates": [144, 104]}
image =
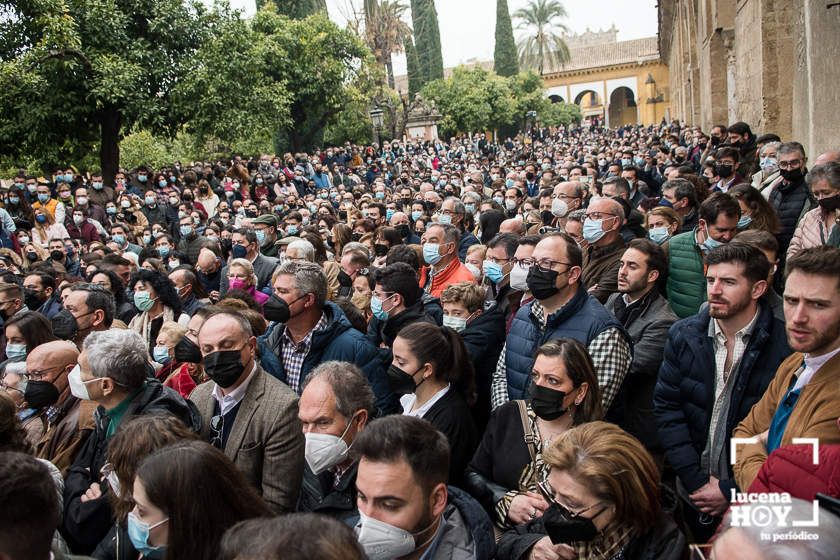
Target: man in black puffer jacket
{"type": "Point", "coordinates": [112, 371]}
{"type": "Point", "coordinates": [791, 198]}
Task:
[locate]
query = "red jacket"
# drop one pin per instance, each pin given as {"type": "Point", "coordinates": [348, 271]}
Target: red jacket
{"type": "Point", "coordinates": [453, 273]}
{"type": "Point", "coordinates": [791, 469]}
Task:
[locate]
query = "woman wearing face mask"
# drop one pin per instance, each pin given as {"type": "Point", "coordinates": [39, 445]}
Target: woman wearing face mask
{"type": "Point", "coordinates": [157, 301]}
{"type": "Point", "coordinates": [820, 226]}
{"type": "Point", "coordinates": [33, 253]}
{"type": "Point", "coordinates": [108, 279]}
{"type": "Point", "coordinates": [208, 199]}
{"type": "Point", "coordinates": [172, 372]}
{"type": "Point", "coordinates": [756, 211]}
{"type": "Point", "coordinates": [133, 441]}
{"type": "Point", "coordinates": [603, 490]}
{"type": "Point", "coordinates": [186, 495]}
{"type": "Point", "coordinates": [508, 465]}
{"type": "Point", "coordinates": [46, 228]}
{"type": "Point", "coordinates": [483, 333]}
{"type": "Point", "coordinates": [241, 277]}
{"type": "Point", "coordinates": [19, 209]}
{"type": "Point", "coordinates": [768, 174]}
{"type": "Point", "coordinates": [24, 332]}
{"type": "Point", "coordinates": [31, 415]}
{"type": "Point", "coordinates": [432, 371]}
{"type": "Point", "coordinates": [129, 212]}
{"type": "Point", "coordinates": [662, 223]}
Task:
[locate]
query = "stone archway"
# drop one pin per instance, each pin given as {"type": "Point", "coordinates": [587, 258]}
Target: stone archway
{"type": "Point", "coordinates": [622, 108]}
{"type": "Point", "coordinates": [587, 99]}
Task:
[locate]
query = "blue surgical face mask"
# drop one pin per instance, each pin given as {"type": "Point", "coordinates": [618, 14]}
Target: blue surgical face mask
{"type": "Point", "coordinates": [138, 533]}
{"type": "Point", "coordinates": [162, 183]}
{"type": "Point", "coordinates": [493, 271]}
{"type": "Point", "coordinates": [379, 195]}
{"type": "Point", "coordinates": [389, 213]}
{"type": "Point", "coordinates": [415, 214]}
{"type": "Point", "coordinates": [376, 307]}
{"type": "Point", "coordinates": [509, 183]}
{"type": "Point", "coordinates": [291, 230]}
{"type": "Point", "coordinates": [445, 220]}
{"type": "Point", "coordinates": [161, 354]}
{"type": "Point", "coordinates": [186, 231]}
{"type": "Point", "coordinates": [710, 243]}
{"type": "Point", "coordinates": [593, 230]}
{"type": "Point", "coordinates": [499, 200]}
{"type": "Point", "coordinates": [142, 178]}
{"type": "Point", "coordinates": [119, 239]}
{"type": "Point", "coordinates": [744, 221]}
{"type": "Point", "coordinates": [470, 208]}
{"type": "Point", "coordinates": [147, 239]}
{"type": "Point", "coordinates": [658, 235]}
{"type": "Point", "coordinates": [163, 250]}
{"type": "Point", "coordinates": [43, 198]}
{"type": "Point", "coordinates": [150, 200]}
{"type": "Point", "coordinates": [68, 177]}
{"type": "Point", "coordinates": [15, 351]}
{"type": "Point", "coordinates": [431, 253]}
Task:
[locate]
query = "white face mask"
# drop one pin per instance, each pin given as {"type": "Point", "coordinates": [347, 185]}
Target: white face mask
{"type": "Point", "coordinates": [476, 272]}
{"type": "Point", "coordinates": [324, 451]}
{"type": "Point", "coordinates": [559, 208]}
{"type": "Point", "coordinates": [78, 388]}
{"type": "Point", "coordinates": [518, 278]}
{"type": "Point", "coordinates": [457, 324]}
{"type": "Point", "coordinates": [382, 541]}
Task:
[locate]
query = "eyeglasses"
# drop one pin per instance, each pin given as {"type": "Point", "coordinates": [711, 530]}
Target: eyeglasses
{"type": "Point", "coordinates": [599, 215]}
{"type": "Point", "coordinates": [550, 495]}
{"type": "Point", "coordinates": [217, 424]}
{"type": "Point", "coordinates": [38, 375]}
{"type": "Point", "coordinates": [523, 263]}
{"type": "Point", "coordinates": [498, 261]}
{"type": "Point", "coordinates": [790, 164]}
{"type": "Point", "coordinates": [547, 265]}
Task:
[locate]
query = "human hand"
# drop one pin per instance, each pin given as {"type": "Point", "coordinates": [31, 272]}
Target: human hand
{"type": "Point", "coordinates": [545, 550]}
{"type": "Point", "coordinates": [526, 506]}
{"type": "Point", "coordinates": [94, 492]}
{"type": "Point", "coordinates": [709, 499]}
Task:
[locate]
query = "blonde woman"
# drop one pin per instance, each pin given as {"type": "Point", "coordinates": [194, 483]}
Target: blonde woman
{"type": "Point", "coordinates": [129, 212]}
{"type": "Point", "coordinates": [205, 195]}
{"type": "Point", "coordinates": [241, 277]}
{"type": "Point", "coordinates": [46, 228]}
{"type": "Point", "coordinates": [180, 376]}
{"type": "Point", "coordinates": [32, 253]}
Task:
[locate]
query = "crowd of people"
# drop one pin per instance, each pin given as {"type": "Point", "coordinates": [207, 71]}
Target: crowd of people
{"type": "Point", "coordinates": [539, 348]}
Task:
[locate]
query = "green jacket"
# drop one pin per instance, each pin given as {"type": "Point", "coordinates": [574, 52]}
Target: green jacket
{"type": "Point", "coordinates": [686, 275]}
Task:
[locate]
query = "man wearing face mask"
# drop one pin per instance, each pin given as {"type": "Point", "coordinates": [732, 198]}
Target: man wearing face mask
{"type": "Point", "coordinates": [601, 260]}
{"type": "Point", "coordinates": [453, 212]}
{"type": "Point", "coordinates": [87, 308]}
{"type": "Point", "coordinates": [112, 372]}
{"type": "Point", "coordinates": [726, 163]}
{"type": "Point", "coordinates": [187, 284]}
{"type": "Point", "coordinates": [680, 195]}
{"type": "Point", "coordinates": [567, 197]}
{"type": "Point", "coordinates": [562, 309]}
{"type": "Point", "coordinates": [40, 294]}
{"type": "Point", "coordinates": [265, 228]}
{"type": "Point", "coordinates": [401, 223]}
{"type": "Point", "coordinates": [244, 245]}
{"type": "Point", "coordinates": [69, 419]}
{"type": "Point", "coordinates": [742, 138]}
{"type": "Point", "coordinates": [191, 243]}
{"type": "Point", "coordinates": [396, 302]}
{"type": "Point", "coordinates": [497, 268]}
{"type": "Point", "coordinates": [791, 197]}
{"type": "Point", "coordinates": [406, 509]}
{"type": "Point", "coordinates": [246, 413]}
{"type": "Point", "coordinates": [717, 224]}
{"type": "Point", "coordinates": [208, 269]}
{"type": "Point", "coordinates": [440, 253]}
{"type": "Point", "coordinates": [335, 406]}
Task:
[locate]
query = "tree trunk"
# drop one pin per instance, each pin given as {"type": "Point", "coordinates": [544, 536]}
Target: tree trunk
{"type": "Point", "coordinates": [389, 71]}
{"type": "Point", "coordinates": [110, 122]}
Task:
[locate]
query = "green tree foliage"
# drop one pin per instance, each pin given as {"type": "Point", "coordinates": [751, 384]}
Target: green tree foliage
{"type": "Point", "coordinates": [505, 61]}
{"type": "Point", "coordinates": [75, 75]}
{"type": "Point", "coordinates": [427, 40]}
{"type": "Point", "coordinates": [542, 46]}
{"type": "Point", "coordinates": [412, 68]}
{"type": "Point", "coordinates": [276, 79]}
{"type": "Point", "coordinates": [471, 99]}
{"type": "Point", "coordinates": [296, 9]}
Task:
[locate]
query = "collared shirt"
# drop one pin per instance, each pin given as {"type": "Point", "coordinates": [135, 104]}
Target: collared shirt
{"type": "Point", "coordinates": [723, 377]}
{"type": "Point", "coordinates": [812, 365]}
{"type": "Point", "coordinates": [407, 402]}
{"type": "Point", "coordinates": [294, 353]}
{"type": "Point", "coordinates": [227, 402]}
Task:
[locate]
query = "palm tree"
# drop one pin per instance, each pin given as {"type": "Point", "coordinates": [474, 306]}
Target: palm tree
{"type": "Point", "coordinates": [385, 32]}
{"type": "Point", "coordinates": [542, 46]}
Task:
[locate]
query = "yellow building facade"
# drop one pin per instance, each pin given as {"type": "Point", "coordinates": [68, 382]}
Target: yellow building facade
{"type": "Point", "coordinates": [615, 83]}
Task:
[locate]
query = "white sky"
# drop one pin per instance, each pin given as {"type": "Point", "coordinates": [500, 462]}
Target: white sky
{"type": "Point", "coordinates": [467, 27]}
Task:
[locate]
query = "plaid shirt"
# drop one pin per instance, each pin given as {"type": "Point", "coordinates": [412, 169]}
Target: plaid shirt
{"type": "Point", "coordinates": [293, 353]}
{"type": "Point", "coordinates": [609, 351]}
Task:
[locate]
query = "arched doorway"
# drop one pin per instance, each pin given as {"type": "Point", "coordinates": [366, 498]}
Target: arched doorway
{"type": "Point", "coordinates": [623, 109]}
{"type": "Point", "coordinates": [555, 98]}
{"type": "Point", "coordinates": [587, 99]}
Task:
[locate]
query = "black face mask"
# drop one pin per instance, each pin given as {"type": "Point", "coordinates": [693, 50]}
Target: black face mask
{"type": "Point", "coordinates": [187, 351]}
{"type": "Point", "coordinates": [541, 284]}
{"type": "Point", "coordinates": [226, 244]}
{"type": "Point", "coordinates": [529, 176]}
{"type": "Point", "coordinates": [39, 394]}
{"type": "Point", "coordinates": [830, 203]}
{"type": "Point", "coordinates": [561, 527]}
{"type": "Point", "coordinates": [342, 214]}
{"type": "Point", "coordinates": [791, 175]}
{"type": "Point", "coordinates": [402, 383]}
{"type": "Point", "coordinates": [380, 249]}
{"type": "Point", "coordinates": [403, 230]}
{"type": "Point", "coordinates": [546, 216]}
{"type": "Point", "coordinates": [224, 367]}
{"type": "Point", "coordinates": [276, 309]}
{"type": "Point", "coordinates": [723, 170]}
{"type": "Point", "coordinates": [343, 280]}
{"type": "Point", "coordinates": [33, 300]}
{"type": "Point", "coordinates": [546, 403]}
{"type": "Point", "coordinates": [64, 325]}
{"type": "Point", "coordinates": [679, 159]}
{"type": "Point", "coordinates": [57, 255]}
{"type": "Point", "coordinates": [355, 236]}
{"type": "Point", "coordinates": [32, 256]}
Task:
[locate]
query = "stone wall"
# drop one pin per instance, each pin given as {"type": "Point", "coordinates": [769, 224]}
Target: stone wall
{"type": "Point", "coordinates": [770, 63]}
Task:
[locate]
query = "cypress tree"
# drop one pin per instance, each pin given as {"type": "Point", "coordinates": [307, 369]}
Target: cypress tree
{"type": "Point", "coordinates": [427, 40]}
{"type": "Point", "coordinates": [413, 68]}
{"type": "Point", "coordinates": [297, 9]}
{"type": "Point", "coordinates": [505, 59]}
